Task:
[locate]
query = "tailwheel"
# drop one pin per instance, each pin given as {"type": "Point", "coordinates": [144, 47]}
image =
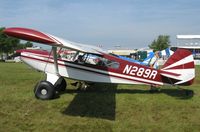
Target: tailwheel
{"type": "Point", "coordinates": [44, 90]}
{"type": "Point", "coordinates": [60, 85]}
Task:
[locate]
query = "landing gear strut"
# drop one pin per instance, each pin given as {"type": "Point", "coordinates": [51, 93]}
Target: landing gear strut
{"type": "Point", "coordinates": [54, 83]}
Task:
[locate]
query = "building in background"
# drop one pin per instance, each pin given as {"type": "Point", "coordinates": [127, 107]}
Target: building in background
{"type": "Point", "coordinates": [190, 42]}
{"type": "Point", "coordinates": [122, 52]}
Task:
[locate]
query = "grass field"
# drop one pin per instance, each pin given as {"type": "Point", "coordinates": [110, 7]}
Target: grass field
{"type": "Point", "coordinates": [118, 108]}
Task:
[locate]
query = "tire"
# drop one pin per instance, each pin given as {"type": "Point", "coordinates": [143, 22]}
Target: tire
{"type": "Point", "coordinates": [61, 85]}
{"type": "Point", "coordinates": [44, 90]}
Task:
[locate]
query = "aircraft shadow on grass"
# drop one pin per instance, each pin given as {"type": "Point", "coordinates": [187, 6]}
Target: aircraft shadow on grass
{"type": "Point", "coordinates": [99, 101]}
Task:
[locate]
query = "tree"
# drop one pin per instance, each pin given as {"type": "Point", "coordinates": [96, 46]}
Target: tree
{"type": "Point", "coordinates": [7, 44]}
{"type": "Point", "coordinates": [161, 43]}
{"type": "Point", "coordinates": [28, 44]}
{"type": "Point", "coordinates": [2, 41]}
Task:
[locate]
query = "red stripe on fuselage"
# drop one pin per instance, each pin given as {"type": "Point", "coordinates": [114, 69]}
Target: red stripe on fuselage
{"type": "Point", "coordinates": [65, 65]}
{"type": "Point", "coordinates": [38, 52]}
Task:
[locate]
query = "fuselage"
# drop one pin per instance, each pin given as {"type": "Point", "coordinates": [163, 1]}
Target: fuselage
{"type": "Point", "coordinates": [125, 73]}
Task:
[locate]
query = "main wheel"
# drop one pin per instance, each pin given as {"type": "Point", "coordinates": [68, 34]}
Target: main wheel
{"type": "Point", "coordinates": [44, 90]}
{"type": "Point", "coordinates": [61, 85]}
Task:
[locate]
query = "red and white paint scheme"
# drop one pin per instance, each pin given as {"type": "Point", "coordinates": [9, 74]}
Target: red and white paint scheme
{"type": "Point", "coordinates": [96, 65]}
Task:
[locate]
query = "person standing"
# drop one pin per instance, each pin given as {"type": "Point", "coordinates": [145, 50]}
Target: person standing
{"type": "Point", "coordinates": [153, 63]}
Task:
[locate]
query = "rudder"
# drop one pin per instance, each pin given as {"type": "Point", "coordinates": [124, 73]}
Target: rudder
{"type": "Point", "coordinates": [180, 63]}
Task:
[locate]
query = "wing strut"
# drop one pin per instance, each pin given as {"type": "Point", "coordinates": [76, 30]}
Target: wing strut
{"type": "Point", "coordinates": [54, 76]}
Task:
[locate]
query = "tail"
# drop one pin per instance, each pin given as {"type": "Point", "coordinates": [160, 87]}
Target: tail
{"type": "Point", "coordinates": [179, 68]}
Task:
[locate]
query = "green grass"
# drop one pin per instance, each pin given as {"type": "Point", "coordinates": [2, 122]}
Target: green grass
{"type": "Point", "coordinates": [118, 108]}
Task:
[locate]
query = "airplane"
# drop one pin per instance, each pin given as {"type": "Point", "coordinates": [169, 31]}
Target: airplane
{"type": "Point", "coordinates": [91, 64]}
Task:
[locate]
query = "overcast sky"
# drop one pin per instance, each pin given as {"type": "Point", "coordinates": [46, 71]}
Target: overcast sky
{"type": "Point", "coordinates": [129, 23]}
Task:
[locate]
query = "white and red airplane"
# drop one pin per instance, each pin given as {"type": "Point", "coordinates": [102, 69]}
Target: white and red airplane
{"type": "Point", "coordinates": [92, 64]}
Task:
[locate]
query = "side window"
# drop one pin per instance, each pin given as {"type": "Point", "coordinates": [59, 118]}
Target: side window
{"type": "Point", "coordinates": [79, 58]}
{"type": "Point", "coordinates": [92, 59]}
{"type": "Point", "coordinates": [66, 54]}
{"type": "Point", "coordinates": [100, 61]}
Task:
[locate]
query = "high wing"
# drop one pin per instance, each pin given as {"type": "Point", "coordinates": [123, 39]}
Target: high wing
{"type": "Point", "coordinates": [44, 38]}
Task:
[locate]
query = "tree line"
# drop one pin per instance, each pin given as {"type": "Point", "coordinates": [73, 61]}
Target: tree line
{"type": "Point", "coordinates": [10, 44]}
